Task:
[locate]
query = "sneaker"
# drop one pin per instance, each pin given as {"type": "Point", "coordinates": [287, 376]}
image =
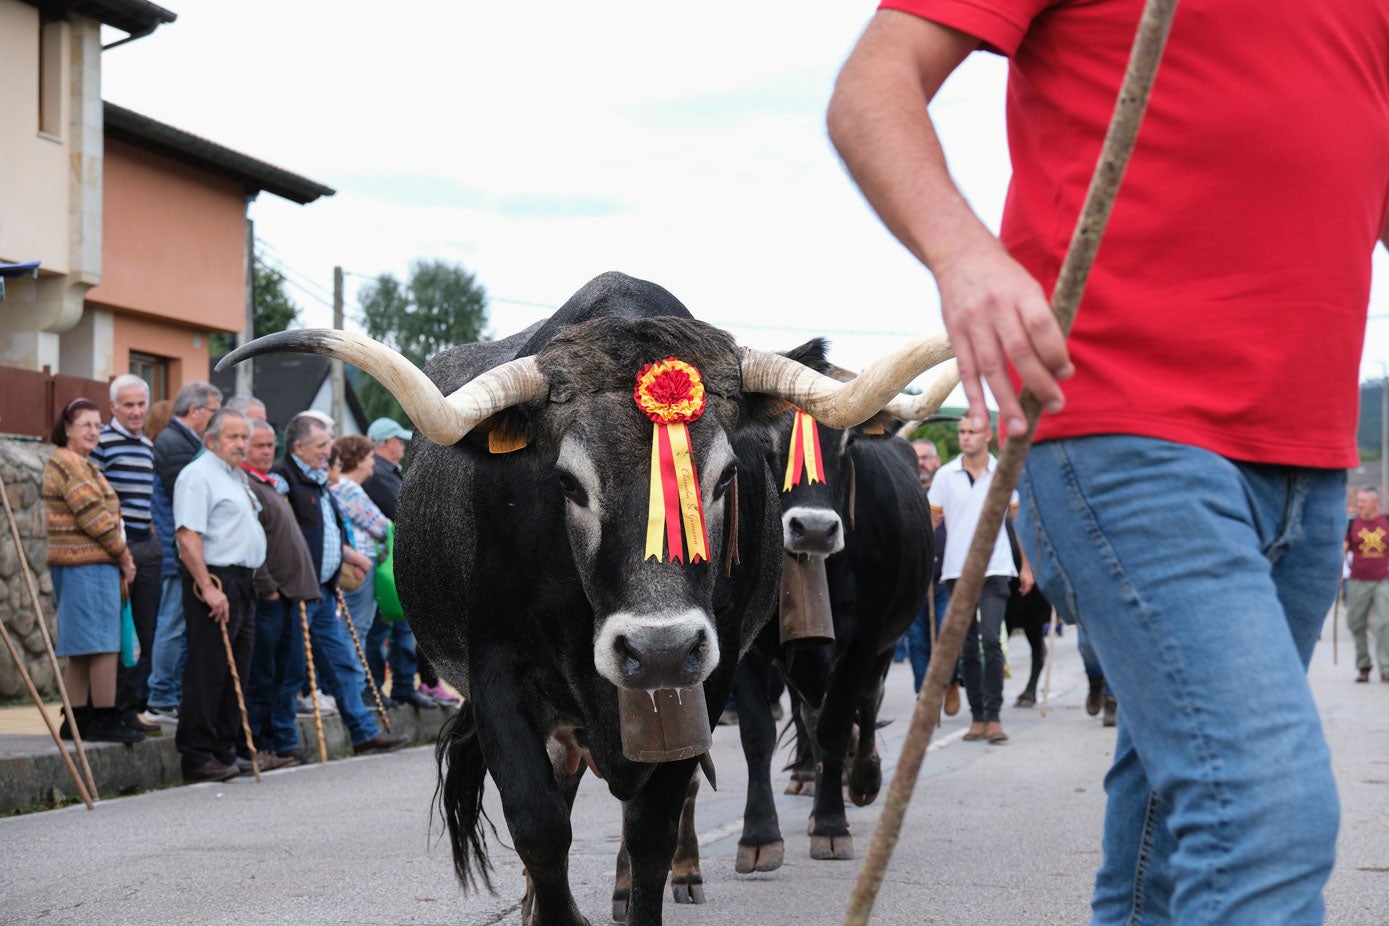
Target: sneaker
{"type": "Point", "coordinates": [327, 703]}
{"type": "Point", "coordinates": [327, 707]}
{"type": "Point", "coordinates": [163, 716]}
{"type": "Point", "coordinates": [439, 693]}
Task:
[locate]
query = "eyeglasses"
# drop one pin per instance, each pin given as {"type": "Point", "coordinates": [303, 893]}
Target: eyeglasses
{"type": "Point", "coordinates": [86, 425]}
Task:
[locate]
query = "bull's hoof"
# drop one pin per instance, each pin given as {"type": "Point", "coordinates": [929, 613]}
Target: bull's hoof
{"type": "Point", "coordinates": [687, 888]}
{"type": "Point", "coordinates": [620, 899]}
{"type": "Point", "coordinates": [862, 799]}
{"type": "Point", "coordinates": [766, 857]}
{"type": "Point", "coordinates": [1026, 699]}
{"type": "Point", "coordinates": [838, 848]}
{"type": "Point", "coordinates": [803, 788]}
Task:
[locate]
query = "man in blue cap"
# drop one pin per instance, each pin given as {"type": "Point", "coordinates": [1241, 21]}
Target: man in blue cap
{"type": "Point", "coordinates": [383, 486]}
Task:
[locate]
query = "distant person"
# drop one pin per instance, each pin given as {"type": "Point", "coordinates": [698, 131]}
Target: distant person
{"type": "Point", "coordinates": [221, 544]}
{"type": "Point", "coordinates": [957, 499]}
{"type": "Point", "coordinates": [286, 579]}
{"type": "Point", "coordinates": [87, 561]}
{"type": "Point", "coordinates": [1367, 589]}
{"type": "Point", "coordinates": [177, 443]}
{"type": "Point", "coordinates": [927, 460]}
{"type": "Point", "coordinates": [304, 467]}
{"type": "Point", "coordinates": [125, 457]}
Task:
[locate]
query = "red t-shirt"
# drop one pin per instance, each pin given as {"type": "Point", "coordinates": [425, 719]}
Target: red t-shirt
{"type": "Point", "coordinates": [1226, 307]}
{"type": "Point", "coordinates": [1369, 549]}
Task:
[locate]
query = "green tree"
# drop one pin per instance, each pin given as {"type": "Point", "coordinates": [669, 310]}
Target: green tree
{"type": "Point", "coordinates": [275, 311]}
{"type": "Point", "coordinates": [439, 306]}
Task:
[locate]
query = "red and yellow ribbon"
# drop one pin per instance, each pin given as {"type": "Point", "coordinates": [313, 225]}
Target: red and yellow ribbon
{"type": "Point", "coordinates": [671, 393]}
{"type": "Point", "coordinates": [804, 459]}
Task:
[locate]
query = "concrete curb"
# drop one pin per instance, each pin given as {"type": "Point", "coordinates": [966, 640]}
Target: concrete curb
{"type": "Point", "coordinates": [33, 775]}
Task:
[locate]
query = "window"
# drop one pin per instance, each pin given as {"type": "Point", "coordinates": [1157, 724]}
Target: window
{"type": "Point", "coordinates": [51, 78]}
{"type": "Point", "coordinates": [153, 370]}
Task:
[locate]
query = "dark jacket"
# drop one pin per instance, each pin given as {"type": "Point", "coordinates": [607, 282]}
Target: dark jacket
{"type": "Point", "coordinates": [383, 485]}
{"type": "Point", "coordinates": [303, 498]}
{"type": "Point", "coordinates": [288, 568]}
{"type": "Point", "coordinates": [162, 513]}
{"type": "Point", "coordinates": [174, 449]}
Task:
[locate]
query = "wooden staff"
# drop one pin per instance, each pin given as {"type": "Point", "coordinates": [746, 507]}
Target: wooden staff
{"type": "Point", "coordinates": [38, 702]}
{"type": "Point", "coordinates": [1336, 628]}
{"type": "Point", "coordinates": [1051, 657]}
{"type": "Point", "coordinates": [313, 683]}
{"type": "Point", "coordinates": [29, 585]}
{"type": "Point", "coordinates": [1153, 29]}
{"type": "Point", "coordinates": [361, 654]}
{"type": "Point", "coordinates": [236, 677]}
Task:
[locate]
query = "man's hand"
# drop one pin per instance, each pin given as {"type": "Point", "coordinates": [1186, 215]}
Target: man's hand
{"type": "Point", "coordinates": [127, 567]}
{"type": "Point", "coordinates": [996, 312]}
{"type": "Point", "coordinates": [216, 601]}
{"type": "Point", "coordinates": [1025, 580]}
{"type": "Point", "coordinates": [356, 559]}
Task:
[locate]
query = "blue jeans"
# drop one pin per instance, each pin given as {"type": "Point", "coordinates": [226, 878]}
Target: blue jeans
{"type": "Point", "coordinates": [399, 644]}
{"type": "Point", "coordinates": [338, 670]}
{"type": "Point", "coordinates": [170, 650]}
{"type": "Point", "coordinates": [918, 635]}
{"type": "Point", "coordinates": [279, 648]}
{"type": "Point", "coordinates": [1202, 584]}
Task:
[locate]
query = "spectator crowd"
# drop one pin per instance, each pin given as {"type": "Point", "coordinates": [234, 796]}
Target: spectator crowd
{"type": "Point", "coordinates": [216, 535]}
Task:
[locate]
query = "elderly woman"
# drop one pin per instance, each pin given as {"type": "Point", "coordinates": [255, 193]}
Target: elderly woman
{"type": "Point", "coordinates": [87, 560]}
{"type": "Point", "coordinates": [353, 454]}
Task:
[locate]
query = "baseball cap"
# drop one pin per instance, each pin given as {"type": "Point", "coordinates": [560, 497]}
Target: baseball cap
{"type": "Point", "coordinates": [384, 429]}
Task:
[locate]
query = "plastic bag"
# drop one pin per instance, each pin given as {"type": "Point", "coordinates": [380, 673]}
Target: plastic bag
{"type": "Point", "coordinates": [130, 643]}
{"type": "Point", "coordinates": [387, 601]}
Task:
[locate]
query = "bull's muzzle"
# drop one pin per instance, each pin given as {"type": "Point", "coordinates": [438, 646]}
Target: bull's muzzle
{"type": "Point", "coordinates": [812, 531]}
{"type": "Point", "coordinates": [649, 651]}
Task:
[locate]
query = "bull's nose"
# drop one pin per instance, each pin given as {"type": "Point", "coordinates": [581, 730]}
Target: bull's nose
{"type": "Point", "coordinates": [812, 532]}
{"type": "Point", "coordinates": [669, 658]}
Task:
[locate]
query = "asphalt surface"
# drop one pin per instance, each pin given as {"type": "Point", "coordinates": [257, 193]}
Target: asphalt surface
{"type": "Point", "coordinates": [995, 835]}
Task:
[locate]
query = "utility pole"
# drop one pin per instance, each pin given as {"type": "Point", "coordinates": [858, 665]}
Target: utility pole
{"type": "Point", "coordinates": [339, 376]}
{"type": "Point", "coordinates": [245, 376]}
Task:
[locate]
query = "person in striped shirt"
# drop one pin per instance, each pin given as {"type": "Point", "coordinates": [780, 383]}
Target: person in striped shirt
{"type": "Point", "coordinates": [125, 457]}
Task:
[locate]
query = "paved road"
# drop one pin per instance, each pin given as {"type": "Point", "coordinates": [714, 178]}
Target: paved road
{"type": "Point", "coordinates": [996, 835]}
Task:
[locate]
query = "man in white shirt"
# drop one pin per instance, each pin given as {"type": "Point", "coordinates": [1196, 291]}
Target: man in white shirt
{"type": "Point", "coordinates": [957, 497]}
{"type": "Point", "coordinates": [220, 544]}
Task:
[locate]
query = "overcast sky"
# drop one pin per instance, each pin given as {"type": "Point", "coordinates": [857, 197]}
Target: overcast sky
{"type": "Point", "coordinates": [542, 143]}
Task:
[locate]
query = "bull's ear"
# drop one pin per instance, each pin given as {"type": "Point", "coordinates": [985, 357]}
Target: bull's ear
{"type": "Point", "coordinates": [814, 354]}
{"type": "Point", "coordinates": [761, 409]}
{"type": "Point", "coordinates": [505, 432]}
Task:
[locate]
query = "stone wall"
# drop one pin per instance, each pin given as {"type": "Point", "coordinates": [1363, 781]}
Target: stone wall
{"type": "Point", "coordinates": [21, 469]}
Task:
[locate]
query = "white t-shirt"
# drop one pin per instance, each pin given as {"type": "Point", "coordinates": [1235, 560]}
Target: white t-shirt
{"type": "Point", "coordinates": [961, 503]}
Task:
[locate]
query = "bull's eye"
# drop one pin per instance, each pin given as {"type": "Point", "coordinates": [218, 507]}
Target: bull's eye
{"type": "Point", "coordinates": [571, 489]}
{"type": "Point", "coordinates": [725, 481]}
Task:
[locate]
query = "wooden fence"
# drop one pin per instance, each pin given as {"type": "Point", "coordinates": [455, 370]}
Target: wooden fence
{"type": "Point", "coordinates": [31, 401]}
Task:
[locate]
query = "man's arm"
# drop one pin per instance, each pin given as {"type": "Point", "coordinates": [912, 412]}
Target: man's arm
{"type": "Point", "coordinates": [190, 548]}
{"type": "Point", "coordinates": [993, 308]}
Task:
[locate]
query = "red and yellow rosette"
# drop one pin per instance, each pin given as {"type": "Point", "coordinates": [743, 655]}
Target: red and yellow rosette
{"type": "Point", "coordinates": [671, 393]}
{"type": "Point", "coordinates": [804, 461]}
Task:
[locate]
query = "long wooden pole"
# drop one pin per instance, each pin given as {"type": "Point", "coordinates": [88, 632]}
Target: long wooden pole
{"type": "Point", "coordinates": [313, 683]}
{"type": "Point", "coordinates": [38, 702]}
{"type": "Point", "coordinates": [361, 654]}
{"type": "Point", "coordinates": [30, 586]}
{"type": "Point", "coordinates": [1153, 28]}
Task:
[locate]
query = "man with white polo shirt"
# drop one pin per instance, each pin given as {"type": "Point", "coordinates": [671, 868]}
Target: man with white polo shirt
{"type": "Point", "coordinates": [957, 497]}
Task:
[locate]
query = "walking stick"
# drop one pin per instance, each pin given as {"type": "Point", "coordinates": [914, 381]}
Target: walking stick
{"type": "Point", "coordinates": [236, 678]}
{"type": "Point", "coordinates": [77, 744]}
{"type": "Point", "coordinates": [313, 683]}
{"type": "Point", "coordinates": [1336, 628]}
{"type": "Point", "coordinates": [1153, 28]}
{"type": "Point", "coordinates": [361, 654]}
{"type": "Point", "coordinates": [38, 702]}
{"type": "Point", "coordinates": [1051, 653]}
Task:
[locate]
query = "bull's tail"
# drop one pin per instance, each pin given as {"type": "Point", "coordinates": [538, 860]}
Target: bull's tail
{"type": "Point", "coordinates": [458, 797]}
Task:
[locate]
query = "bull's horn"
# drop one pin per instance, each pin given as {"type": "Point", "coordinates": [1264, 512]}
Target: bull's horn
{"type": "Point", "coordinates": [843, 405]}
{"type": "Point", "coordinates": [442, 420]}
{"type": "Point", "coordinates": [916, 408]}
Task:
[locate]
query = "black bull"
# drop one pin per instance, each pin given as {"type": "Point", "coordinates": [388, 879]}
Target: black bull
{"type": "Point", "coordinates": [869, 523]}
{"type": "Point", "coordinates": [520, 568]}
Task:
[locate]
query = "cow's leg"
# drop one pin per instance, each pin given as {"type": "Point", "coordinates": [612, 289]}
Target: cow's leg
{"type": "Point", "coordinates": [622, 884]}
{"type": "Point", "coordinates": [829, 828]}
{"type": "Point", "coordinates": [535, 805]}
{"type": "Point", "coordinates": [1035, 631]}
{"type": "Point", "coordinates": [650, 827]}
{"type": "Point", "coordinates": [807, 671]}
{"type": "Point", "coordinates": [686, 880]}
{"type": "Point", "coordinates": [760, 848]}
{"type": "Point", "coordinates": [866, 774]}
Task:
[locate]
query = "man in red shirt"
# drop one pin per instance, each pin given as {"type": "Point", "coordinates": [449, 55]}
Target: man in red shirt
{"type": "Point", "coordinates": [1367, 590]}
{"type": "Point", "coordinates": [1167, 505]}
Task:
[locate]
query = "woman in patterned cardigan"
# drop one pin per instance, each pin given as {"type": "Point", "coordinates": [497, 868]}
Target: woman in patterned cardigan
{"type": "Point", "coordinates": [87, 560]}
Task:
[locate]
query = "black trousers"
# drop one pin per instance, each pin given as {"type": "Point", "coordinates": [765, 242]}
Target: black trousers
{"type": "Point", "coordinates": [132, 684]}
{"type": "Point", "coordinates": [209, 719]}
